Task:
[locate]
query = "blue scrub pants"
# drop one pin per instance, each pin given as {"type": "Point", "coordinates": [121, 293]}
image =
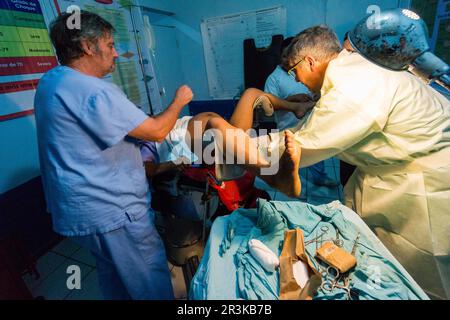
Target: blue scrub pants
{"type": "Point", "coordinates": [131, 261]}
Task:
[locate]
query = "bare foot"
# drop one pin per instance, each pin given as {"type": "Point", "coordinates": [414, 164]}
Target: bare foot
{"type": "Point", "coordinates": [287, 179]}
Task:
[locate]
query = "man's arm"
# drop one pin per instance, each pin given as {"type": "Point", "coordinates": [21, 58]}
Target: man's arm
{"type": "Point", "coordinates": [311, 156]}
{"type": "Point", "coordinates": [336, 124]}
{"type": "Point", "coordinates": [158, 127]}
{"type": "Point", "coordinates": [299, 108]}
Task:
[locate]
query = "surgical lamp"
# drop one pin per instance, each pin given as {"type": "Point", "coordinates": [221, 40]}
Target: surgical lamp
{"type": "Point", "coordinates": [398, 40]}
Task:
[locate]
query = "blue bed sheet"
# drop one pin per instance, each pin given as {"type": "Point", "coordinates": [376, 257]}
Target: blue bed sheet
{"type": "Point", "coordinates": [228, 271]}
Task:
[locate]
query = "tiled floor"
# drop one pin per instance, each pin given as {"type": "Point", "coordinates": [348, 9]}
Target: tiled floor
{"type": "Point", "coordinates": [312, 193]}
{"type": "Point", "coordinates": [52, 267]}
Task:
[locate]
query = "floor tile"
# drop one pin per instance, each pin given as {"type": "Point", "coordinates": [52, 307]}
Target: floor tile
{"type": "Point", "coordinates": [336, 162]}
{"type": "Point", "coordinates": [330, 172]}
{"type": "Point", "coordinates": [53, 283]}
{"type": "Point", "coordinates": [54, 287]}
{"type": "Point", "coordinates": [66, 248]}
{"type": "Point", "coordinates": [279, 196]}
{"type": "Point", "coordinates": [90, 289]}
{"type": "Point", "coordinates": [329, 163]}
{"type": "Point", "coordinates": [45, 266]}
{"type": "Point", "coordinates": [83, 255]}
{"type": "Point", "coordinates": [325, 192]}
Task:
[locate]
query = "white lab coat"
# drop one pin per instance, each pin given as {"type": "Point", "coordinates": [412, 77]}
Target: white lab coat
{"type": "Point", "coordinates": [396, 130]}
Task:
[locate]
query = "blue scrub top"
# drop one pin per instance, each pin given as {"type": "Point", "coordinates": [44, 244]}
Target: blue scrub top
{"type": "Point", "coordinates": [93, 174]}
{"type": "Point", "coordinates": [149, 152]}
{"type": "Point", "coordinates": [282, 85]}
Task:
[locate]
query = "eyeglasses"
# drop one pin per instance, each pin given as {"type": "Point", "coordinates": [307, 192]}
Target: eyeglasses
{"type": "Point", "coordinates": [291, 71]}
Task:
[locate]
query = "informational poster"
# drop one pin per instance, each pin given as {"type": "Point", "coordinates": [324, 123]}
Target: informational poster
{"type": "Point", "coordinates": [25, 54]}
{"type": "Point", "coordinates": [223, 39]}
{"type": "Point", "coordinates": [137, 82]}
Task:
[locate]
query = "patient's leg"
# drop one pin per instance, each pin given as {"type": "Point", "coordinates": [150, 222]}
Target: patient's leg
{"type": "Point", "coordinates": [243, 113]}
{"type": "Point", "coordinates": [239, 144]}
{"type": "Point", "coordinates": [287, 179]}
{"type": "Point", "coordinates": [236, 144]}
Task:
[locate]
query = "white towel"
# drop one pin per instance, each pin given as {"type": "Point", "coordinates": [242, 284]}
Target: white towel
{"type": "Point", "coordinates": [174, 147]}
{"type": "Point", "coordinates": [268, 260]}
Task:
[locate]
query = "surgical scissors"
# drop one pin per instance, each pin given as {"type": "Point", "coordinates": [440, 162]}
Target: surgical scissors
{"type": "Point", "coordinates": [329, 284]}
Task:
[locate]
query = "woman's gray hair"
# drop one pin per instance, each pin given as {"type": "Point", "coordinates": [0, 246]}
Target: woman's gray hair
{"type": "Point", "coordinates": [320, 42]}
{"type": "Point", "coordinates": [67, 41]}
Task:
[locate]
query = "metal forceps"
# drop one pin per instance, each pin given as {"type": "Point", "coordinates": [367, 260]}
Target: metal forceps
{"type": "Point", "coordinates": [355, 244]}
{"type": "Point", "coordinates": [346, 286]}
{"type": "Point", "coordinates": [346, 277]}
{"type": "Point", "coordinates": [324, 230]}
{"type": "Point", "coordinates": [338, 242]}
{"type": "Point", "coordinates": [329, 285]}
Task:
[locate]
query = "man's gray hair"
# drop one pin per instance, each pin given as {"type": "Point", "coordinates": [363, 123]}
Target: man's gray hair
{"type": "Point", "coordinates": [67, 41]}
{"type": "Point", "coordinates": [320, 42]}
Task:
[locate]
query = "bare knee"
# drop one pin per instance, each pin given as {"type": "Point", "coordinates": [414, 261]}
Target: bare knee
{"type": "Point", "coordinates": [211, 115]}
{"type": "Point", "coordinates": [252, 93]}
{"type": "Point", "coordinates": [215, 121]}
{"type": "Point", "coordinates": [203, 118]}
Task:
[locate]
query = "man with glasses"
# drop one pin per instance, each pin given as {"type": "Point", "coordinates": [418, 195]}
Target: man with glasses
{"type": "Point", "coordinates": [396, 130]}
{"type": "Point", "coordinates": [284, 86]}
